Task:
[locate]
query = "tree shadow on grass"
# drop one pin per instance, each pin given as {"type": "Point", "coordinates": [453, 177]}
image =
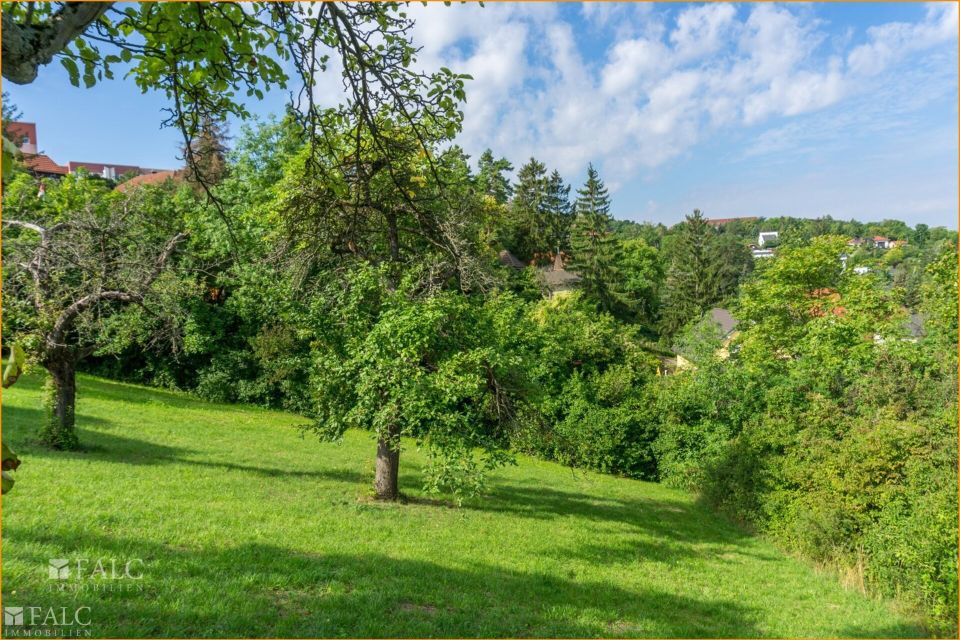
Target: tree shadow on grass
{"type": "Point", "coordinates": [680, 520]}
{"type": "Point", "coordinates": [257, 590]}
{"type": "Point", "coordinates": [24, 424]}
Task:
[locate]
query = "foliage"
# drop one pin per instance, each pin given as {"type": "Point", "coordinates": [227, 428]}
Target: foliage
{"type": "Point", "coordinates": [704, 268]}
{"type": "Point", "coordinates": [80, 257]}
{"type": "Point", "coordinates": [439, 369]}
{"type": "Point", "coordinates": [830, 432]}
{"type": "Point", "coordinates": [596, 252]}
{"type": "Point", "coordinates": [490, 178]}
{"type": "Point", "coordinates": [591, 372]}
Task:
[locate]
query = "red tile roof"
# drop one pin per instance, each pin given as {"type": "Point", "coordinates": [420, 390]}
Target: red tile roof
{"type": "Point", "coordinates": [40, 163]}
{"type": "Point", "coordinates": [150, 178]}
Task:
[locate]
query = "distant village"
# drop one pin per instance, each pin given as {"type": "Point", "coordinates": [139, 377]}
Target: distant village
{"type": "Point", "coordinates": [24, 135]}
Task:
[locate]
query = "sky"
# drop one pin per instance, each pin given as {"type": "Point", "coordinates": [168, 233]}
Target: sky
{"type": "Point", "coordinates": [847, 110]}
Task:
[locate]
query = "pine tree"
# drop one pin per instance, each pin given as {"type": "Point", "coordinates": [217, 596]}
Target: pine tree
{"type": "Point", "coordinates": [689, 288]}
{"type": "Point", "coordinates": [490, 178]}
{"type": "Point", "coordinates": [526, 232]}
{"type": "Point", "coordinates": [595, 249]}
{"type": "Point", "coordinates": [557, 213]}
{"type": "Point", "coordinates": [206, 157]}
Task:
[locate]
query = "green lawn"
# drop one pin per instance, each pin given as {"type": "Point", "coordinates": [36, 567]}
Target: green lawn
{"type": "Point", "coordinates": [246, 528]}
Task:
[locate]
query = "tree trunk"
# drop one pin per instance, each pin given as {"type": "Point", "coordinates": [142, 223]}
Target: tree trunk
{"type": "Point", "coordinates": [388, 466]}
{"type": "Point", "coordinates": [59, 432]}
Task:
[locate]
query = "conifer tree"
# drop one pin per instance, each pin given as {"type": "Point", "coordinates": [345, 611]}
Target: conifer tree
{"type": "Point", "coordinates": [526, 229]}
{"type": "Point", "coordinates": [689, 288]}
{"type": "Point", "coordinates": [557, 213]}
{"type": "Point", "coordinates": [208, 152]}
{"type": "Point", "coordinates": [595, 249]}
{"type": "Point", "coordinates": [490, 178]}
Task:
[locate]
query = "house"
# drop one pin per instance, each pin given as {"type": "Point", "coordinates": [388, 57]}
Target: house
{"type": "Point", "coordinates": [149, 178]}
{"type": "Point", "coordinates": [913, 326]}
{"type": "Point", "coordinates": [881, 242]}
{"type": "Point", "coordinates": [24, 135]}
{"type": "Point", "coordinates": [895, 244]}
{"type": "Point", "coordinates": [767, 236]}
{"type": "Point", "coordinates": [505, 258]}
{"type": "Point", "coordinates": [43, 166]}
{"type": "Point", "coordinates": [761, 253]}
{"type": "Point", "coordinates": [855, 242]}
{"type": "Point", "coordinates": [110, 171]}
{"type": "Point", "coordinates": [672, 365]}
{"type": "Point", "coordinates": [558, 280]}
{"type": "Point", "coordinates": [724, 320]}
{"type": "Point", "coordinates": [727, 324]}
{"type": "Point", "coordinates": [826, 303]}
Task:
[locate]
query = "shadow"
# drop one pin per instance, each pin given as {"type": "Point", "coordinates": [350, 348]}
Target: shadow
{"type": "Point", "coordinates": [108, 447]}
{"type": "Point", "coordinates": [680, 521]}
{"type": "Point", "coordinates": [264, 590]}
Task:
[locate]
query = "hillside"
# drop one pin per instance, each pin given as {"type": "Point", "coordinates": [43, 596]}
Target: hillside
{"type": "Point", "coordinates": [245, 528]}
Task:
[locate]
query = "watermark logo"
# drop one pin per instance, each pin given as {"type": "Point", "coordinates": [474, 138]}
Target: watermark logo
{"type": "Point", "coordinates": [13, 615]}
{"type": "Point", "coordinates": [59, 569]}
{"type": "Point", "coordinates": [46, 622]}
{"type": "Point", "coordinates": [95, 574]}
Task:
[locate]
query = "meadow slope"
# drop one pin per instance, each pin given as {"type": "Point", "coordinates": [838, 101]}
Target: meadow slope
{"type": "Point", "coordinates": [247, 528]}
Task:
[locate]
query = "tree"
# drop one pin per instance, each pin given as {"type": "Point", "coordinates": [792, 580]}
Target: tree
{"type": "Point", "coordinates": [596, 252]}
{"type": "Point", "coordinates": [526, 229]}
{"type": "Point", "coordinates": [641, 278]}
{"type": "Point", "coordinates": [203, 56]}
{"type": "Point", "coordinates": [410, 216]}
{"type": "Point", "coordinates": [75, 260]}
{"type": "Point", "coordinates": [207, 155]}
{"type": "Point", "coordinates": [10, 114]}
{"type": "Point", "coordinates": [557, 213]}
{"type": "Point", "coordinates": [490, 178]}
{"type": "Point", "coordinates": [699, 274]}
{"type": "Point", "coordinates": [439, 368]}
{"type": "Point", "coordinates": [920, 234]}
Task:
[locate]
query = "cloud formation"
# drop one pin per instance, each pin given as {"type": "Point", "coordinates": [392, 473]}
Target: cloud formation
{"type": "Point", "coordinates": [658, 83]}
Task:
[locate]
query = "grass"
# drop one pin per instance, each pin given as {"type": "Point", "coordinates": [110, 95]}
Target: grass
{"type": "Point", "coordinates": [246, 528]}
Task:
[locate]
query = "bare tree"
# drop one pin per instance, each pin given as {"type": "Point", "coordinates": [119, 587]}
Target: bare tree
{"type": "Point", "coordinates": [64, 280]}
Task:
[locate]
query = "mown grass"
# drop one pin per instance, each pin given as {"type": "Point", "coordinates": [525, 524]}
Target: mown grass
{"type": "Point", "coordinates": [246, 528]}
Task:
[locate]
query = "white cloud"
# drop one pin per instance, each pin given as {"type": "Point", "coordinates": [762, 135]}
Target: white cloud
{"type": "Point", "coordinates": [890, 42]}
{"type": "Point", "coordinates": [702, 30]}
{"type": "Point", "coordinates": [659, 84]}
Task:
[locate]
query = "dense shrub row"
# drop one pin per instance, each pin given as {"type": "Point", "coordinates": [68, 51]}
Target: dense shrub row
{"type": "Point", "coordinates": [832, 430]}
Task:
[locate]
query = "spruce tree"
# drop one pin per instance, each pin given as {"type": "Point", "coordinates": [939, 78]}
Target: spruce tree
{"type": "Point", "coordinates": [557, 213]}
{"type": "Point", "coordinates": [526, 232]}
{"type": "Point", "coordinates": [490, 178]}
{"type": "Point", "coordinates": [206, 157]}
{"type": "Point", "coordinates": [595, 249]}
{"type": "Point", "coordinates": [689, 288]}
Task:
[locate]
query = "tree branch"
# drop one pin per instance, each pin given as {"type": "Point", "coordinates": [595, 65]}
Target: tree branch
{"type": "Point", "coordinates": [66, 319]}
{"type": "Point", "coordinates": [26, 48]}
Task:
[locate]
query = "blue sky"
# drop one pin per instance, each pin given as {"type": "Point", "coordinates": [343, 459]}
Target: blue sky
{"type": "Point", "coordinates": [737, 109]}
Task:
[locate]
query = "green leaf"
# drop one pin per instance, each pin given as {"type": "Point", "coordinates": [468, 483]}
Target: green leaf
{"type": "Point", "coordinates": [71, 66]}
